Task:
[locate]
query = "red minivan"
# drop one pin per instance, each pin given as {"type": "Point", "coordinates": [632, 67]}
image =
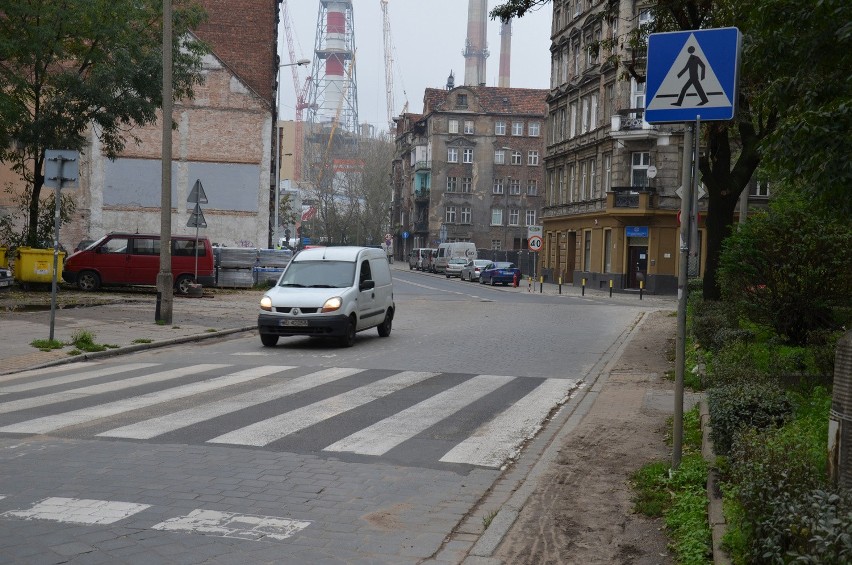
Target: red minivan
{"type": "Point", "coordinates": [133, 258]}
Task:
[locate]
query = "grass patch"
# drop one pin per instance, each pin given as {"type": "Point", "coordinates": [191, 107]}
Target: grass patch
{"type": "Point", "coordinates": [211, 330]}
{"type": "Point", "coordinates": [47, 344]}
{"type": "Point", "coordinates": [75, 352]}
{"type": "Point", "coordinates": [85, 341]}
{"type": "Point", "coordinates": [488, 518]}
{"type": "Point", "coordinates": [142, 340]}
{"type": "Point", "coordinates": [160, 322]}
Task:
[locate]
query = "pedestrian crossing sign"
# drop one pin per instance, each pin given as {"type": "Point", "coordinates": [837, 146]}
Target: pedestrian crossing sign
{"type": "Point", "coordinates": [693, 75]}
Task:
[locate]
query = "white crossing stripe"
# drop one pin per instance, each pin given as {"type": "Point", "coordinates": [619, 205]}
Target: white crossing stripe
{"type": "Point", "coordinates": [386, 434]}
{"type": "Point", "coordinates": [78, 511]}
{"type": "Point", "coordinates": [51, 423]}
{"type": "Point", "coordinates": [163, 424]}
{"type": "Point", "coordinates": [230, 525]}
{"type": "Point", "coordinates": [44, 371]}
{"type": "Point", "coordinates": [68, 379]}
{"type": "Point", "coordinates": [500, 439]}
{"type": "Point", "coordinates": [113, 386]}
{"type": "Point", "coordinates": [272, 429]}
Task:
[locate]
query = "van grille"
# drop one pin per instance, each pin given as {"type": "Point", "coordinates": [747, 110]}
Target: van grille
{"type": "Point", "coordinates": [288, 309]}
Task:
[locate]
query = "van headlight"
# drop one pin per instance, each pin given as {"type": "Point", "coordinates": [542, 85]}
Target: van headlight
{"type": "Point", "coordinates": [266, 304]}
{"type": "Point", "coordinates": [332, 304]}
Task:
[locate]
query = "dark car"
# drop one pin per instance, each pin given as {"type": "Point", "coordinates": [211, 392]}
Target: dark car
{"type": "Point", "coordinates": [499, 272]}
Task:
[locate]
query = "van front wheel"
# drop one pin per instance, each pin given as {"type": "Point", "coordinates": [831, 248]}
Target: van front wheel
{"type": "Point", "coordinates": [269, 340]}
{"type": "Point", "coordinates": [88, 281]}
{"type": "Point", "coordinates": [348, 338]}
{"type": "Point", "coordinates": [386, 326]}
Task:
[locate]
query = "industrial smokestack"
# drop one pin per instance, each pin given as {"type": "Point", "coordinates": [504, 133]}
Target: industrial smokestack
{"type": "Point", "coordinates": [505, 54]}
{"type": "Point", "coordinates": [476, 47]}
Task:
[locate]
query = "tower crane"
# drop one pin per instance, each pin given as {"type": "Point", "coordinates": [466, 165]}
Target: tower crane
{"type": "Point", "coordinates": [301, 92]}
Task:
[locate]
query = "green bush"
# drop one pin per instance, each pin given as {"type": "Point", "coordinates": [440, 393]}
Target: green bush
{"type": "Point", "coordinates": [737, 406]}
{"type": "Point", "coordinates": [709, 320]}
{"type": "Point", "coordinates": [815, 527]}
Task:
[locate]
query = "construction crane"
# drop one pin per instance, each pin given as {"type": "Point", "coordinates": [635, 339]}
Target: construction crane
{"type": "Point", "coordinates": [301, 92]}
{"type": "Point", "coordinates": [388, 45]}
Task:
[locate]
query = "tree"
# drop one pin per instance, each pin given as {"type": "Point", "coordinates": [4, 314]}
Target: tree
{"type": "Point", "coordinates": [733, 148]}
{"type": "Point", "coordinates": [68, 66]}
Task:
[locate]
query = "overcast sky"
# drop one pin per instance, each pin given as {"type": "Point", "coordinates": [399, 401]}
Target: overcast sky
{"type": "Point", "coordinates": [428, 38]}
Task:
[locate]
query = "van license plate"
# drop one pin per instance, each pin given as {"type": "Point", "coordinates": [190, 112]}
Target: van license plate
{"type": "Point", "coordinates": [300, 323]}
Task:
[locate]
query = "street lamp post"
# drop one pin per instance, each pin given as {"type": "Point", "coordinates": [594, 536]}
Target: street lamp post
{"type": "Point", "coordinates": [276, 193]}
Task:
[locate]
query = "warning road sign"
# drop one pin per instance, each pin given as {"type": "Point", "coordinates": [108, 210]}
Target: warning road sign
{"type": "Point", "coordinates": [692, 74]}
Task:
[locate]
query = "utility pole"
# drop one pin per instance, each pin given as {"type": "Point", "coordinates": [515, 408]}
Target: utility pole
{"type": "Point", "coordinates": [165, 279]}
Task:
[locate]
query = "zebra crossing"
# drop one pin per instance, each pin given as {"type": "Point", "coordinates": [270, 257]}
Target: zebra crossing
{"type": "Point", "coordinates": [453, 418]}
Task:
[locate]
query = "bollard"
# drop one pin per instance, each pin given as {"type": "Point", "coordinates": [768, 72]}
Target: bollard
{"type": "Point", "coordinates": [610, 288]}
{"type": "Point", "coordinates": [560, 285]}
{"type": "Point", "coordinates": [584, 288]}
{"type": "Point", "coordinates": [529, 284]}
{"type": "Point", "coordinates": [541, 284]}
{"type": "Point", "coordinates": [641, 286]}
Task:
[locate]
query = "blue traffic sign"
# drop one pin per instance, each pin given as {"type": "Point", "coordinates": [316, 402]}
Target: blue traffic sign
{"type": "Point", "coordinates": [692, 74]}
{"type": "Point", "coordinates": [405, 235]}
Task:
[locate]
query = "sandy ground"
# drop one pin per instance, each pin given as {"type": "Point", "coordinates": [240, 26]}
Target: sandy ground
{"type": "Point", "coordinates": [582, 511]}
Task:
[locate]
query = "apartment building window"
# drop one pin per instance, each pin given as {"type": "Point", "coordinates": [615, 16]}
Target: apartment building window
{"type": "Point", "coordinates": [593, 42]}
{"type": "Point", "coordinates": [516, 158]}
{"type": "Point", "coordinates": [585, 116]}
{"type": "Point", "coordinates": [450, 215]}
{"type": "Point", "coordinates": [607, 251]}
{"type": "Point", "coordinates": [554, 127]}
{"type": "Point", "coordinates": [584, 190]}
{"type": "Point", "coordinates": [564, 57]}
{"type": "Point", "coordinates": [467, 155]}
{"type": "Point", "coordinates": [517, 128]}
{"type": "Point", "coordinates": [465, 215]}
{"type": "Point", "coordinates": [593, 111]}
{"type": "Point", "coordinates": [461, 101]}
{"type": "Point", "coordinates": [514, 186]}
{"type": "Point", "coordinates": [453, 126]}
{"type": "Point", "coordinates": [499, 157]}
{"type": "Point", "coordinates": [563, 197]}
{"type": "Point", "coordinates": [468, 126]}
{"type": "Point", "coordinates": [640, 161]}
{"type": "Point", "coordinates": [575, 50]}
{"type": "Point", "coordinates": [645, 17]}
{"type": "Point", "coordinates": [573, 118]}
{"type": "Point", "coordinates": [562, 123]}
{"type": "Point", "coordinates": [534, 129]}
{"type": "Point", "coordinates": [496, 245]}
{"type": "Point", "coordinates": [532, 187]}
{"type": "Point", "coordinates": [496, 216]}
{"type": "Point", "coordinates": [452, 155]}
{"type": "Point", "coordinates": [530, 217]}
{"type": "Point", "coordinates": [578, 8]}
{"type": "Point", "coordinates": [497, 187]}
{"type": "Point", "coordinates": [637, 95]}
{"type": "Point", "coordinates": [587, 250]}
{"type": "Point", "coordinates": [514, 216]}
{"type": "Point", "coordinates": [499, 127]}
{"type": "Point", "coordinates": [593, 178]}
{"type": "Point", "coordinates": [759, 188]}
{"type": "Point", "coordinates": [532, 158]}
{"type": "Point", "coordinates": [551, 192]}
{"type": "Point", "coordinates": [607, 179]}
{"type": "Point", "coordinates": [610, 101]}
{"type": "Point", "coordinates": [452, 184]}
{"type": "Point", "coordinates": [465, 184]}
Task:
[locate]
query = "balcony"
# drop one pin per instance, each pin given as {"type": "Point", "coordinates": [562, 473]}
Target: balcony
{"type": "Point", "coordinates": [631, 200]}
{"type": "Point", "coordinates": [422, 165]}
{"type": "Point", "coordinates": [421, 193]}
{"type": "Point", "coordinates": [630, 124]}
{"type": "Point", "coordinates": [421, 227]}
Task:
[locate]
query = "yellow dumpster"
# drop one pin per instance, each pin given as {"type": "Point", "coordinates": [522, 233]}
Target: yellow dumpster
{"type": "Point", "coordinates": [36, 265]}
{"type": "Point", "coordinates": [4, 263]}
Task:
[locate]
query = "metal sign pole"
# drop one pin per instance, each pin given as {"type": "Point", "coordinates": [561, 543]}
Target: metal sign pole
{"type": "Point", "coordinates": [57, 209]}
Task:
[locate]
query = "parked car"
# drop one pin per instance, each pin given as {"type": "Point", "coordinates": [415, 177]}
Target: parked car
{"type": "Point", "coordinates": [499, 272]}
{"type": "Point", "coordinates": [454, 267]}
{"type": "Point", "coordinates": [329, 292]}
{"type": "Point", "coordinates": [6, 279]}
{"type": "Point", "coordinates": [471, 271]}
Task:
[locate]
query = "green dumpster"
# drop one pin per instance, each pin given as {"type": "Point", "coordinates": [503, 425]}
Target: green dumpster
{"type": "Point", "coordinates": [36, 265]}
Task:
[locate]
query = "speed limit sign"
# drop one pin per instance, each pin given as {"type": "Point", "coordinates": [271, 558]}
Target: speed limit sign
{"type": "Point", "coordinates": [534, 243]}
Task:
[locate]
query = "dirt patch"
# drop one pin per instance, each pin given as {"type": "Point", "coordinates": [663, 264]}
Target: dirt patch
{"type": "Point", "coordinates": [582, 511]}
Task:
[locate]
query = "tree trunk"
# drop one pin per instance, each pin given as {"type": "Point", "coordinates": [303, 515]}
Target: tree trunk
{"type": "Point", "coordinates": [35, 201]}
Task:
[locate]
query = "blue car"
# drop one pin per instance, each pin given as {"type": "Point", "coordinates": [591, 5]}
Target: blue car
{"type": "Point", "coordinates": [499, 272]}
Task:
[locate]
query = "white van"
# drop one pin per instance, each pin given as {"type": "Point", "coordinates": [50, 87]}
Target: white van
{"type": "Point", "coordinates": [329, 292]}
{"type": "Point", "coordinates": [457, 250]}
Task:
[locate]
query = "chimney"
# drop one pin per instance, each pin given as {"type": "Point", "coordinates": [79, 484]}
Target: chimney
{"type": "Point", "coordinates": [476, 48]}
{"type": "Point", "coordinates": [505, 54]}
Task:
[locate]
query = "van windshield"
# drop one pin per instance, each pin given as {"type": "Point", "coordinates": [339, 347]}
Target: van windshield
{"type": "Point", "coordinates": [319, 274]}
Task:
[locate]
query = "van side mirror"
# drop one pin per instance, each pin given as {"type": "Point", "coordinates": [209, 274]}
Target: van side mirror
{"type": "Point", "coordinates": [367, 284]}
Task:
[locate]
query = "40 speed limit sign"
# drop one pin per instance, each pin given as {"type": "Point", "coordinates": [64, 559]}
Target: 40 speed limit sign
{"type": "Point", "coordinates": [534, 243]}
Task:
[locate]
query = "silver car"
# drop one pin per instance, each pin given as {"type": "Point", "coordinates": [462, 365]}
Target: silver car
{"type": "Point", "coordinates": [454, 267]}
{"type": "Point", "coordinates": [471, 271]}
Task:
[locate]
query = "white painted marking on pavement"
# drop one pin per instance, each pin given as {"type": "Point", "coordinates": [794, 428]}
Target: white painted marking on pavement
{"type": "Point", "coordinates": [113, 386]}
{"type": "Point", "coordinates": [230, 525]}
{"type": "Point", "coordinates": [500, 438]}
{"type": "Point", "coordinates": [57, 421]}
{"type": "Point", "coordinates": [44, 371]}
{"type": "Point", "coordinates": [386, 434]}
{"type": "Point", "coordinates": [79, 511]}
{"type": "Point", "coordinates": [68, 379]}
{"type": "Point", "coordinates": [170, 422]}
{"type": "Point", "coordinates": [272, 429]}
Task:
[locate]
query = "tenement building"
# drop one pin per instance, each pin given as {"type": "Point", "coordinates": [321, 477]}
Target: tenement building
{"type": "Point", "coordinates": [469, 168]}
{"type": "Point", "coordinates": [610, 210]}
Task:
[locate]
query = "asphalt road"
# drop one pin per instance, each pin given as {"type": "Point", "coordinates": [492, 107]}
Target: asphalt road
{"type": "Point", "coordinates": [225, 451]}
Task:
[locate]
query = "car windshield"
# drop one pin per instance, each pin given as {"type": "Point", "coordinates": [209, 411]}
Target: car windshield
{"type": "Point", "coordinates": [503, 266]}
{"type": "Point", "coordinates": [318, 274]}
